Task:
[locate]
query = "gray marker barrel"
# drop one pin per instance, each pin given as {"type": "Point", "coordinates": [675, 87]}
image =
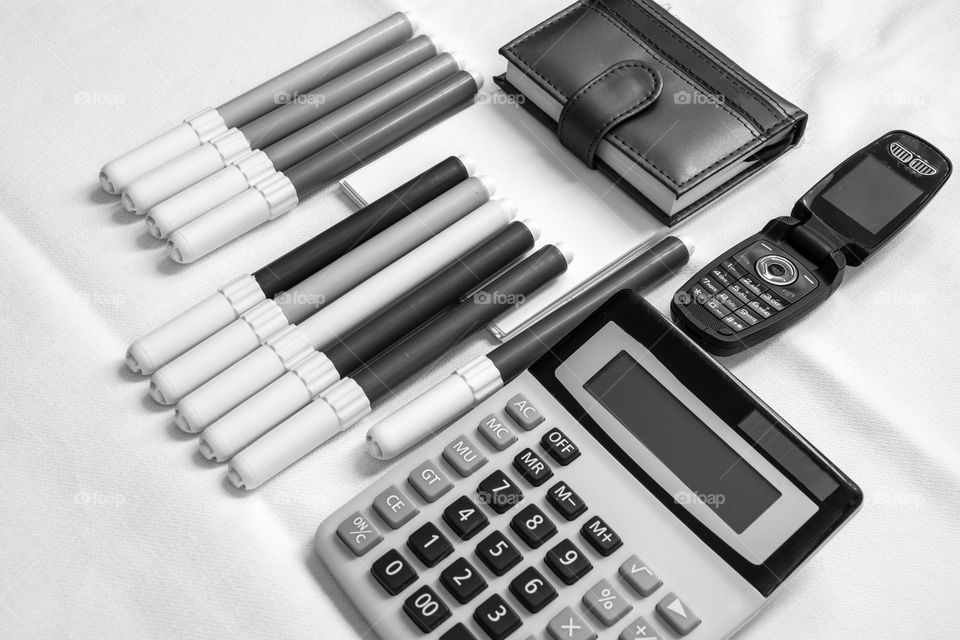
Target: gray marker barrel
{"type": "Point", "coordinates": [203, 126]}
{"type": "Point", "coordinates": [296, 388]}
{"type": "Point", "coordinates": [349, 400]}
{"type": "Point", "coordinates": [193, 202]}
{"type": "Point", "coordinates": [280, 193]}
{"type": "Point", "coordinates": [297, 111]}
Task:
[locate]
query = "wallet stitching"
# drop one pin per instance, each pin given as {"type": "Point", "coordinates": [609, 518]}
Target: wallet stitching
{"type": "Point", "coordinates": [638, 156]}
{"type": "Point", "coordinates": [656, 52]}
{"type": "Point", "coordinates": [753, 83]}
{"type": "Point", "coordinates": [584, 90]}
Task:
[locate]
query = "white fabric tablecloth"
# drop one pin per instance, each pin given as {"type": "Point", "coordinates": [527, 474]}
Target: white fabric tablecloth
{"type": "Point", "coordinates": [111, 525]}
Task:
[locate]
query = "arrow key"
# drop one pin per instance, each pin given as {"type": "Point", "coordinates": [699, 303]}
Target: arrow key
{"type": "Point", "coordinates": [675, 613]}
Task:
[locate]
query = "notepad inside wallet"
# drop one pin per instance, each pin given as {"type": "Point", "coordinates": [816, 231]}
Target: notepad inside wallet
{"type": "Point", "coordinates": [635, 93]}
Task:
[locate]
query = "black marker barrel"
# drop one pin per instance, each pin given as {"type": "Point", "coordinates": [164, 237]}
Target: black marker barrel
{"type": "Point", "coordinates": [646, 270]}
{"type": "Point", "coordinates": [316, 253]}
{"type": "Point", "coordinates": [430, 298]}
{"type": "Point", "coordinates": [379, 377]}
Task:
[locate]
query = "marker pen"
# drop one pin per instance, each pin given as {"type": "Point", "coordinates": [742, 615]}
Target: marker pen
{"type": "Point", "coordinates": [169, 340]}
{"type": "Point", "coordinates": [282, 191]}
{"type": "Point", "coordinates": [283, 350]}
{"type": "Point", "coordinates": [429, 412]}
{"type": "Point", "coordinates": [176, 175]}
{"type": "Point", "coordinates": [174, 212]}
{"type": "Point", "coordinates": [203, 126]}
{"type": "Point", "coordinates": [203, 361]}
{"type": "Point", "coordinates": [315, 373]}
{"type": "Point", "coordinates": [349, 400]}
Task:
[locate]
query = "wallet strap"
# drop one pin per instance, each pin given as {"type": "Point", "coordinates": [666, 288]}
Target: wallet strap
{"type": "Point", "coordinates": [616, 94]}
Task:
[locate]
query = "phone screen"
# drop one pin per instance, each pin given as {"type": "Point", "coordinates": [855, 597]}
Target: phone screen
{"type": "Point", "coordinates": [872, 194]}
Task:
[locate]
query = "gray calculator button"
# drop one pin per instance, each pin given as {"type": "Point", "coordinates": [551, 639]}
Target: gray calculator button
{"type": "Point", "coordinates": [358, 533]}
{"type": "Point", "coordinates": [462, 454]}
{"type": "Point", "coordinates": [606, 603]}
{"type": "Point", "coordinates": [394, 507]}
{"type": "Point", "coordinates": [677, 614]}
{"type": "Point", "coordinates": [567, 625]}
{"type": "Point", "coordinates": [523, 411]}
{"type": "Point", "coordinates": [640, 629]}
{"type": "Point", "coordinates": [429, 481]}
{"type": "Point", "coordinates": [498, 434]}
{"type": "Point", "coordinates": [639, 576]}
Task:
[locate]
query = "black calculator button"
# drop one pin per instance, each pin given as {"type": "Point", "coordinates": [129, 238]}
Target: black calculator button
{"type": "Point", "coordinates": [733, 268]}
{"type": "Point", "coordinates": [600, 536]}
{"type": "Point", "coordinates": [499, 492]}
{"type": "Point", "coordinates": [753, 285]}
{"type": "Point", "coordinates": [566, 501]}
{"type": "Point", "coordinates": [741, 293]}
{"type": "Point", "coordinates": [393, 572]}
{"type": "Point", "coordinates": [532, 467]}
{"type": "Point", "coordinates": [560, 447]}
{"type": "Point", "coordinates": [748, 316]}
{"type": "Point", "coordinates": [497, 618]}
{"type": "Point", "coordinates": [426, 609]}
{"type": "Point", "coordinates": [465, 518]}
{"type": "Point", "coordinates": [462, 580]}
{"type": "Point", "coordinates": [532, 590]}
{"type": "Point", "coordinates": [710, 285]}
{"type": "Point", "coordinates": [567, 562]}
{"type": "Point", "coordinates": [716, 307]}
{"type": "Point", "coordinates": [498, 553]}
{"type": "Point", "coordinates": [723, 278]}
{"type": "Point", "coordinates": [533, 526]}
{"type": "Point", "coordinates": [458, 632]}
{"type": "Point", "coordinates": [429, 544]}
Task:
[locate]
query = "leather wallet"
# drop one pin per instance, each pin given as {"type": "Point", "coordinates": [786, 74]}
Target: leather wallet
{"type": "Point", "coordinates": [633, 92]}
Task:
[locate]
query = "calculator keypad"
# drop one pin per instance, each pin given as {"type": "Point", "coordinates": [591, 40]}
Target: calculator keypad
{"type": "Point", "coordinates": [517, 569]}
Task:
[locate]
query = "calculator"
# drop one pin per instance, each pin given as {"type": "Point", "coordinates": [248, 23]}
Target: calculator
{"type": "Point", "coordinates": [626, 486]}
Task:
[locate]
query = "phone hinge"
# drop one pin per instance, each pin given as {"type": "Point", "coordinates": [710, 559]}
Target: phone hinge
{"type": "Point", "coordinates": [815, 240]}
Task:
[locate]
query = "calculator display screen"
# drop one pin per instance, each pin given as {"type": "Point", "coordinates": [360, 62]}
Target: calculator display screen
{"type": "Point", "coordinates": [713, 472]}
{"type": "Point", "coordinates": [872, 194]}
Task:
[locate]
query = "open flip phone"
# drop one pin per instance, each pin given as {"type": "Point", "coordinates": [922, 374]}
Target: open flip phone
{"type": "Point", "coordinates": [772, 279]}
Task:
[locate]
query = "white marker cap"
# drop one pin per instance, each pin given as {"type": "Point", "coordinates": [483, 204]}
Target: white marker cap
{"type": "Point", "coordinates": [267, 408]}
{"type": "Point", "coordinates": [340, 407]}
{"type": "Point", "coordinates": [434, 409]}
{"type": "Point", "coordinates": [477, 77]}
{"type": "Point", "coordinates": [280, 353]}
{"type": "Point", "coordinates": [688, 243]}
{"type": "Point", "coordinates": [270, 199]}
{"type": "Point", "coordinates": [194, 131]}
{"type": "Point", "coordinates": [188, 169]}
{"type": "Point", "coordinates": [209, 193]}
{"type": "Point", "coordinates": [534, 227]}
{"type": "Point", "coordinates": [194, 325]}
{"type": "Point", "coordinates": [201, 363]}
{"type": "Point", "coordinates": [469, 164]}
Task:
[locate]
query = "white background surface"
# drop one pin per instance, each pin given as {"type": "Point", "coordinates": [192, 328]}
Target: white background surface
{"type": "Point", "coordinates": [110, 526]}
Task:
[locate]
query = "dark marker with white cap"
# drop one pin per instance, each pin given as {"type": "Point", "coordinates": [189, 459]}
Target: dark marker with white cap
{"type": "Point", "coordinates": [180, 173]}
{"type": "Point", "coordinates": [201, 321]}
{"type": "Point", "coordinates": [210, 122]}
{"type": "Point", "coordinates": [316, 372]}
{"type": "Point", "coordinates": [349, 400]}
{"type": "Point", "coordinates": [282, 191]}
{"type": "Point", "coordinates": [434, 409]}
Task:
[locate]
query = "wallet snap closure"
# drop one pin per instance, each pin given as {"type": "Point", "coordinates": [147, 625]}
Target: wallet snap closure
{"type": "Point", "coordinates": [617, 94]}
